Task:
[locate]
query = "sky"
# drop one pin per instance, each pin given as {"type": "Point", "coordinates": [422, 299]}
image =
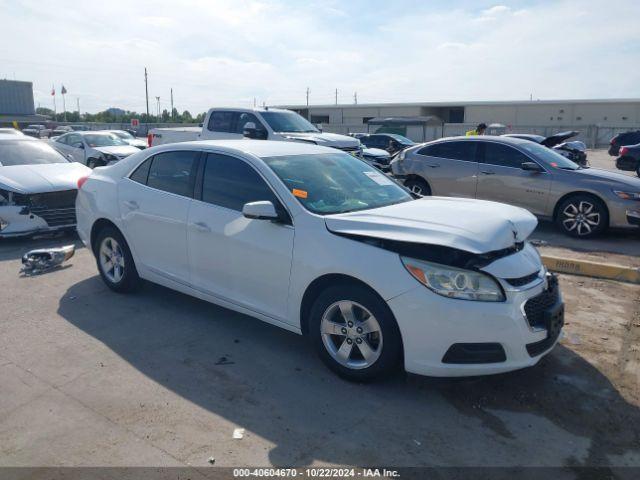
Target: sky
{"type": "Point", "coordinates": [228, 52]}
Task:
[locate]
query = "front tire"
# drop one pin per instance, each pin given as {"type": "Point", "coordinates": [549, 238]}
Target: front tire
{"type": "Point", "coordinates": [354, 333]}
{"type": "Point", "coordinates": [582, 216]}
{"type": "Point", "coordinates": [418, 186]}
{"type": "Point", "coordinates": [115, 262]}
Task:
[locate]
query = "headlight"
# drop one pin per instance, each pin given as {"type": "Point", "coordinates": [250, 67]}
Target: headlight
{"type": "Point", "coordinates": [454, 282]}
{"type": "Point", "coordinates": [401, 155]}
{"type": "Point", "coordinates": [627, 195]}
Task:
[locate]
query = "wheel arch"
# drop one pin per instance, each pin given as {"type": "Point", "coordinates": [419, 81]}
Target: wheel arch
{"type": "Point", "coordinates": [556, 207]}
{"type": "Point", "coordinates": [97, 226]}
{"type": "Point", "coordinates": [318, 285]}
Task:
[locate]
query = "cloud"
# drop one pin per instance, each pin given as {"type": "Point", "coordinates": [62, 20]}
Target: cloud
{"type": "Point", "coordinates": [229, 51]}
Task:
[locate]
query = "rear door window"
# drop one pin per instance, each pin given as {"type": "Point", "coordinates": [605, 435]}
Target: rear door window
{"type": "Point", "coordinates": [503, 155]}
{"type": "Point", "coordinates": [221, 121]}
{"type": "Point", "coordinates": [173, 172]}
{"type": "Point", "coordinates": [453, 150]}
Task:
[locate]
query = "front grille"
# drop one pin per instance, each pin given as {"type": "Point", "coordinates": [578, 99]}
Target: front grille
{"type": "Point", "coordinates": [56, 208]}
{"type": "Point", "coordinates": [470, 353]}
{"type": "Point", "coordinates": [520, 281]}
{"type": "Point", "coordinates": [536, 307]}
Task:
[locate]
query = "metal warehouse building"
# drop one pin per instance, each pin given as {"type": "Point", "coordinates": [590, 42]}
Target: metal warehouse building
{"type": "Point", "coordinates": [16, 103]}
{"type": "Point", "coordinates": [596, 120]}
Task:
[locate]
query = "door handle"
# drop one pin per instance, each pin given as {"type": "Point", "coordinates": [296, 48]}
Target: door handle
{"type": "Point", "coordinates": [487, 172]}
{"type": "Point", "coordinates": [131, 204]}
{"type": "Point", "coordinates": [202, 227]}
{"type": "Point", "coordinates": [435, 165]}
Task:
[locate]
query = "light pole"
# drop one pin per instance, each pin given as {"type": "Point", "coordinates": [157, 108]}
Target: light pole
{"type": "Point", "coordinates": [158, 100]}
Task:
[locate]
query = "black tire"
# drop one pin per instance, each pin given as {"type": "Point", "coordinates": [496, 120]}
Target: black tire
{"type": "Point", "coordinates": [587, 210]}
{"type": "Point", "coordinates": [388, 340]}
{"type": "Point", "coordinates": [129, 281]}
{"type": "Point", "coordinates": [638, 169]}
{"type": "Point", "coordinates": [418, 186]}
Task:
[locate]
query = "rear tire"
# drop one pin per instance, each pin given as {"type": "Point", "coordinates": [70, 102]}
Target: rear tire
{"type": "Point", "coordinates": [582, 216]}
{"type": "Point", "coordinates": [355, 333]}
{"type": "Point", "coordinates": [115, 262]}
{"type": "Point", "coordinates": [418, 186]}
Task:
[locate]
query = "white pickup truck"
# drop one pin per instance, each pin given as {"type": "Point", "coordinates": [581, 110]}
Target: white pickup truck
{"type": "Point", "coordinates": [264, 124]}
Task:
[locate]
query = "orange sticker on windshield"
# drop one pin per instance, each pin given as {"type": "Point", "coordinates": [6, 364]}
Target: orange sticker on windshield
{"type": "Point", "coordinates": [300, 193]}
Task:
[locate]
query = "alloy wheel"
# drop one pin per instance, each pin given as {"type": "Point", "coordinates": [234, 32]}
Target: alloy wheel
{"type": "Point", "coordinates": [351, 334]}
{"type": "Point", "coordinates": [582, 218]}
{"type": "Point", "coordinates": [112, 259]}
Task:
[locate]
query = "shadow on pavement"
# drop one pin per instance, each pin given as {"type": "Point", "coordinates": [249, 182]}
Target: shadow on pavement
{"type": "Point", "coordinates": [271, 383]}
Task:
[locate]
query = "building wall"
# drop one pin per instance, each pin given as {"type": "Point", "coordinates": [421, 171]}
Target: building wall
{"type": "Point", "coordinates": [16, 98]}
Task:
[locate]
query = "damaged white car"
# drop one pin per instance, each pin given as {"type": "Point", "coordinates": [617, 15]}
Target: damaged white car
{"type": "Point", "coordinates": [38, 187]}
{"type": "Point", "coordinates": [320, 243]}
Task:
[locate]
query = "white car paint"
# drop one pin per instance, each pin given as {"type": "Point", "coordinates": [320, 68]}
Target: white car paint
{"type": "Point", "coordinates": [74, 147]}
{"type": "Point", "coordinates": [267, 267]}
{"type": "Point", "coordinates": [17, 219]}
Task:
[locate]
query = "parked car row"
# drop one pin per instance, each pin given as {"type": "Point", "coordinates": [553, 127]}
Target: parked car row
{"type": "Point", "coordinates": [626, 146]}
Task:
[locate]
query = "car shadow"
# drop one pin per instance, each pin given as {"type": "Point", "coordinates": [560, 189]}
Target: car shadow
{"type": "Point", "coordinates": [269, 381]}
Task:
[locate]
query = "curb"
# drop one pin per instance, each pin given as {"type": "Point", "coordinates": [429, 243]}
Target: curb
{"type": "Point", "coordinates": [592, 269]}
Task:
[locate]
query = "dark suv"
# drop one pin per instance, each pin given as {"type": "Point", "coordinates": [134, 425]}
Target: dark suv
{"type": "Point", "coordinates": [390, 142]}
{"type": "Point", "coordinates": [622, 139]}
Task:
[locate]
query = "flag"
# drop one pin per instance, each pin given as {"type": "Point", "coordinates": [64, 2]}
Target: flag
{"type": "Point", "coordinates": [63, 90]}
{"type": "Point", "coordinates": [53, 91]}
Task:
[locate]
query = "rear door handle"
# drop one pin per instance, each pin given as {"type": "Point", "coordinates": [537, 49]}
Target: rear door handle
{"type": "Point", "coordinates": [131, 205]}
{"type": "Point", "coordinates": [488, 172]}
{"type": "Point", "coordinates": [202, 227]}
{"type": "Point", "coordinates": [435, 165]}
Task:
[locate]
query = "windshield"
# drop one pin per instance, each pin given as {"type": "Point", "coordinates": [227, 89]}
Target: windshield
{"type": "Point", "coordinates": [401, 139]}
{"type": "Point", "coordinates": [124, 135]}
{"type": "Point", "coordinates": [18, 152]}
{"type": "Point", "coordinates": [549, 157]}
{"type": "Point", "coordinates": [330, 183]}
{"type": "Point", "coordinates": [104, 140]}
{"type": "Point", "coordinates": [288, 122]}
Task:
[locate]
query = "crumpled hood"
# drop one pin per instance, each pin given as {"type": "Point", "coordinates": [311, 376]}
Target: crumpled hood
{"type": "Point", "coordinates": [375, 152]}
{"type": "Point", "coordinates": [325, 139]}
{"type": "Point", "coordinates": [476, 226]}
{"type": "Point", "coordinates": [118, 150]}
{"type": "Point", "coordinates": [50, 177]}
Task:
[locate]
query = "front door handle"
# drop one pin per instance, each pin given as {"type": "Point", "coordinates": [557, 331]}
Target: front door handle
{"type": "Point", "coordinates": [488, 172]}
{"type": "Point", "coordinates": [131, 204]}
{"type": "Point", "coordinates": [435, 165]}
{"type": "Point", "coordinates": [202, 227]}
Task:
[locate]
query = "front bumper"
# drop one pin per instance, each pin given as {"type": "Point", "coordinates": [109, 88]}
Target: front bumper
{"type": "Point", "coordinates": [430, 325]}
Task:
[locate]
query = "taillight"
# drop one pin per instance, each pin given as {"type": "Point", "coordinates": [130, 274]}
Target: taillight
{"type": "Point", "coordinates": [81, 181]}
{"type": "Point", "coordinates": [612, 141]}
{"type": "Point", "coordinates": [149, 138]}
{"type": "Point", "coordinates": [623, 151]}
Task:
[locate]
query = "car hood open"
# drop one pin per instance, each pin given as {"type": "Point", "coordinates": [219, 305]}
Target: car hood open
{"type": "Point", "coordinates": [475, 226]}
{"type": "Point", "coordinates": [50, 177]}
{"type": "Point", "coordinates": [558, 138]}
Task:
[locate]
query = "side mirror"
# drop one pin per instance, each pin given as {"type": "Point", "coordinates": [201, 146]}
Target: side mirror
{"type": "Point", "coordinates": [531, 167]}
{"type": "Point", "coordinates": [250, 131]}
{"type": "Point", "coordinates": [263, 210]}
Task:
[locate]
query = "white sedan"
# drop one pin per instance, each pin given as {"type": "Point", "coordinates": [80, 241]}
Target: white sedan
{"type": "Point", "coordinates": [318, 242]}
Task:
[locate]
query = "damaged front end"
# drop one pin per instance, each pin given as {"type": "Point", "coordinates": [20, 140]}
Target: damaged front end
{"type": "Point", "coordinates": [24, 214]}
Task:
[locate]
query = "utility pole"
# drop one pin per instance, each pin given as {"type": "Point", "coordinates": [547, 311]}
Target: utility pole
{"type": "Point", "coordinates": [158, 100]}
{"type": "Point", "coordinates": [172, 117]}
{"type": "Point", "coordinates": [254, 102]}
{"type": "Point", "coordinates": [78, 103]}
{"type": "Point", "coordinates": [336, 96]}
{"type": "Point", "coordinates": [307, 103]}
{"type": "Point", "coordinates": [146, 90]}
{"type": "Point", "coordinates": [355, 97]}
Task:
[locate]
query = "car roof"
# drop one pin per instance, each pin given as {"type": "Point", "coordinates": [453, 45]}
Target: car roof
{"type": "Point", "coordinates": [259, 148]}
{"type": "Point", "coordinates": [491, 138]}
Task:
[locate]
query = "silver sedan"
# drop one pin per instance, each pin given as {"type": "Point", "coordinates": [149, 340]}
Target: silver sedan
{"type": "Point", "coordinates": [582, 201]}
